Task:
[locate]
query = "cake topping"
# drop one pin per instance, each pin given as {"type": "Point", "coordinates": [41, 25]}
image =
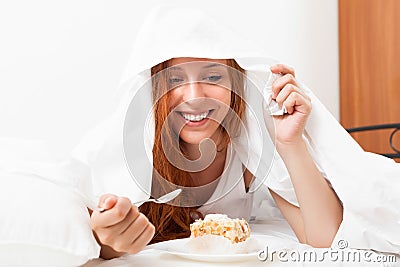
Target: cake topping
{"type": "Point", "coordinates": [236, 230]}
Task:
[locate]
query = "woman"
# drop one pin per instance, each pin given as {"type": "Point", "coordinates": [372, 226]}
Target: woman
{"type": "Point", "coordinates": [316, 220]}
{"type": "Point", "coordinates": [204, 96]}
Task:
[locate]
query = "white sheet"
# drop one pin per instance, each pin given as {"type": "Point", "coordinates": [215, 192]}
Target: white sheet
{"type": "Point", "coordinates": [279, 237]}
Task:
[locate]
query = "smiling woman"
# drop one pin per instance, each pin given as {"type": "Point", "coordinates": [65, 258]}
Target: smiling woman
{"type": "Point", "coordinates": [201, 93]}
{"type": "Point", "coordinates": [194, 116]}
{"type": "Point", "coordinates": [201, 98]}
{"type": "Point", "coordinates": [195, 96]}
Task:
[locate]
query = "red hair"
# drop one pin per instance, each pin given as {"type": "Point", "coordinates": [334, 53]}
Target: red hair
{"type": "Point", "coordinates": [170, 221]}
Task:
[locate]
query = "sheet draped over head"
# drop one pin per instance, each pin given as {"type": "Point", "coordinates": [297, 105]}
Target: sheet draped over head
{"type": "Point", "coordinates": [366, 183]}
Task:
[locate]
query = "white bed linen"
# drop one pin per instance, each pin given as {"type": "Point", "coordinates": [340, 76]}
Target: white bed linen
{"type": "Point", "coordinates": [279, 235]}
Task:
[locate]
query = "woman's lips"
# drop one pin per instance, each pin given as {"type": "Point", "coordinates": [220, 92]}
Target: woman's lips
{"type": "Point", "coordinates": [195, 119]}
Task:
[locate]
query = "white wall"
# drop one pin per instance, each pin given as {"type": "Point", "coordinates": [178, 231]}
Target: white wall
{"type": "Point", "coordinates": [60, 61]}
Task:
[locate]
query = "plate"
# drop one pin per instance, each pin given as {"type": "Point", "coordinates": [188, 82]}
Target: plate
{"type": "Point", "coordinates": [216, 258]}
{"type": "Point", "coordinates": [179, 247]}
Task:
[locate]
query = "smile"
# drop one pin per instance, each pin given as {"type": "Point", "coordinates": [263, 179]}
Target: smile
{"type": "Point", "coordinates": [195, 117]}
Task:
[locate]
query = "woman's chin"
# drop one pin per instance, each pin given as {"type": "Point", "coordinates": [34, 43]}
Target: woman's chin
{"type": "Point", "coordinates": [194, 139]}
{"type": "Point", "coordinates": [195, 136]}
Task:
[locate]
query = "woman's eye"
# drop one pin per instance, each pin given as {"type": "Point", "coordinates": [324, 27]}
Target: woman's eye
{"type": "Point", "coordinates": [175, 80]}
{"type": "Point", "coordinates": [213, 78]}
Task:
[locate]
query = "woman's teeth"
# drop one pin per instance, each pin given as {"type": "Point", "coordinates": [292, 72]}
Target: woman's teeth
{"type": "Point", "coordinates": [192, 117]}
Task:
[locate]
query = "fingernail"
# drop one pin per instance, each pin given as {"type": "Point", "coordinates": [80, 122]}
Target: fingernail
{"type": "Point", "coordinates": [101, 209]}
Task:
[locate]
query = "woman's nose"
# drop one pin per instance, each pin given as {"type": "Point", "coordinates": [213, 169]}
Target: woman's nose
{"type": "Point", "coordinates": [192, 90]}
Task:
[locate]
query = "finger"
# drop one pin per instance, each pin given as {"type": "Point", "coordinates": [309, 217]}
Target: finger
{"type": "Point", "coordinates": [144, 238]}
{"type": "Point", "coordinates": [127, 240]}
{"type": "Point", "coordinates": [282, 69]}
{"type": "Point", "coordinates": [137, 227]}
{"type": "Point", "coordinates": [122, 226]}
{"type": "Point", "coordinates": [287, 90]}
{"type": "Point", "coordinates": [297, 102]}
{"type": "Point", "coordinates": [103, 199]}
{"type": "Point", "coordinates": [281, 82]}
{"type": "Point", "coordinates": [117, 213]}
{"type": "Point", "coordinates": [109, 203]}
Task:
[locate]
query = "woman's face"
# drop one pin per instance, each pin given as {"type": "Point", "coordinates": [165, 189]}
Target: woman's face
{"type": "Point", "coordinates": [200, 97]}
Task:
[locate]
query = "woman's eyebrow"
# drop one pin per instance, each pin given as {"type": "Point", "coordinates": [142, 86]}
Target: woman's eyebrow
{"type": "Point", "coordinates": [175, 68]}
{"type": "Point", "coordinates": [213, 65]}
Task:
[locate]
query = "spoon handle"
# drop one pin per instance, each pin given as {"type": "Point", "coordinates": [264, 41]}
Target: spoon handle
{"type": "Point", "coordinates": [163, 199]}
{"type": "Point", "coordinates": [101, 209]}
{"type": "Point", "coordinates": [145, 201]}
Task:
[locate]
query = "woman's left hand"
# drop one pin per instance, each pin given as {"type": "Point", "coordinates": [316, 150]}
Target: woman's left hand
{"type": "Point", "coordinates": [286, 92]}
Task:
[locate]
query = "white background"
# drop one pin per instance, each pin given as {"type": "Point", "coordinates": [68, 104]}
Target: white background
{"type": "Point", "coordinates": [60, 61]}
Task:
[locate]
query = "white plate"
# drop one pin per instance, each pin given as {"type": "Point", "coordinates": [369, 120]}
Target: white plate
{"type": "Point", "coordinates": [179, 248]}
{"type": "Point", "coordinates": [216, 258]}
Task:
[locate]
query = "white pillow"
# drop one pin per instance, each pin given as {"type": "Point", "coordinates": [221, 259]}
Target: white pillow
{"type": "Point", "coordinates": [42, 223]}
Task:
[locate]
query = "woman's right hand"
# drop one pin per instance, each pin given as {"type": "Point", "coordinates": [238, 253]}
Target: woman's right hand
{"type": "Point", "coordinates": [121, 226]}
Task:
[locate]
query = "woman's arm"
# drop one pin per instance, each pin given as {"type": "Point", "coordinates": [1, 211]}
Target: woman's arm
{"type": "Point", "coordinates": [318, 218]}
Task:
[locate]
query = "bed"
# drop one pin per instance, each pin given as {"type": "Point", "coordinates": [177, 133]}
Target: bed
{"type": "Point", "coordinates": [278, 241]}
{"type": "Point", "coordinates": [395, 127]}
{"type": "Point", "coordinates": [44, 222]}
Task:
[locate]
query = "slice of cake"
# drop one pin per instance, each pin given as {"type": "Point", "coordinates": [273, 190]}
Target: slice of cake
{"type": "Point", "coordinates": [236, 230]}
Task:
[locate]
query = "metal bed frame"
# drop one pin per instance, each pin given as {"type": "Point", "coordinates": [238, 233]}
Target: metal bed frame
{"type": "Point", "coordinates": [394, 126]}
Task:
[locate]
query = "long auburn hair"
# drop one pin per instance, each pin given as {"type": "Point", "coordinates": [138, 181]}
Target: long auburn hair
{"type": "Point", "coordinates": [170, 221]}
